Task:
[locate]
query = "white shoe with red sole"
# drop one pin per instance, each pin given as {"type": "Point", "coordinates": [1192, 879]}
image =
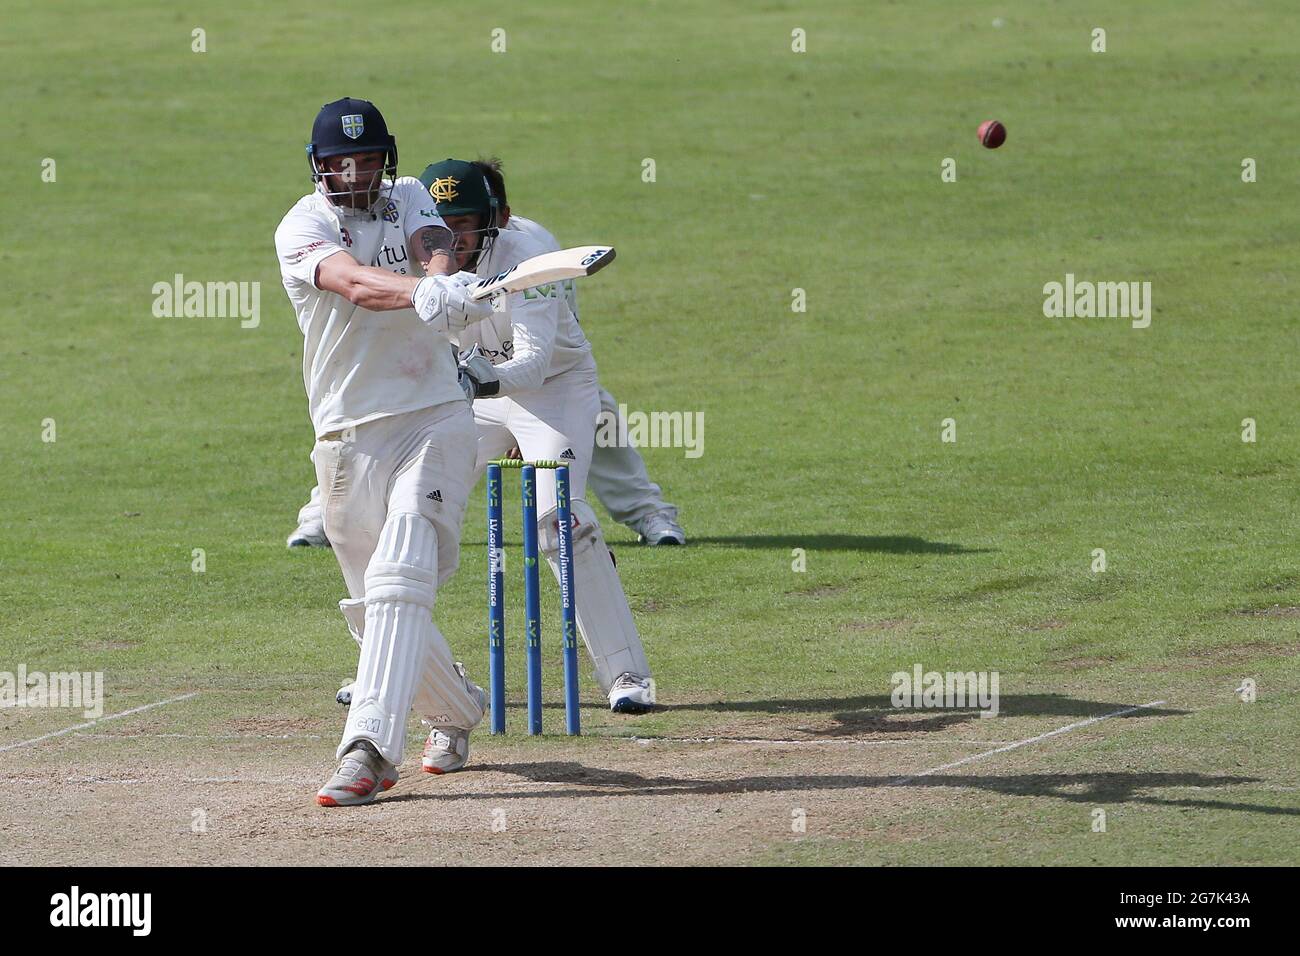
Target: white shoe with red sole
{"type": "Point", "coordinates": [363, 774]}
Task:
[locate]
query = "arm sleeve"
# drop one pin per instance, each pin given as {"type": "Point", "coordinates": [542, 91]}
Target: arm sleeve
{"type": "Point", "coordinates": [302, 242]}
{"type": "Point", "coordinates": [533, 325]}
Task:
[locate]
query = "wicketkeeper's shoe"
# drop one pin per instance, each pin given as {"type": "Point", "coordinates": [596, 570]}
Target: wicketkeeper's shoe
{"type": "Point", "coordinates": [659, 529]}
{"type": "Point", "coordinates": [447, 749]}
{"type": "Point", "coordinates": [309, 534]}
{"type": "Point", "coordinates": [632, 694]}
{"type": "Point", "coordinates": [363, 774]}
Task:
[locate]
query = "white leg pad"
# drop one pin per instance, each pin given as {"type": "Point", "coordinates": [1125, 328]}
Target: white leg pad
{"type": "Point", "coordinates": [443, 697]}
{"type": "Point", "coordinates": [400, 590]}
{"type": "Point", "coordinates": [604, 619]}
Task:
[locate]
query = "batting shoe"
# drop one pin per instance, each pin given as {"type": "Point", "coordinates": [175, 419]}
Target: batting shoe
{"type": "Point", "coordinates": [362, 775]}
{"type": "Point", "coordinates": [447, 749]}
{"type": "Point", "coordinates": [659, 528]}
{"type": "Point", "coordinates": [309, 534]}
{"type": "Point", "coordinates": [344, 695]}
{"type": "Point", "coordinates": [632, 694]}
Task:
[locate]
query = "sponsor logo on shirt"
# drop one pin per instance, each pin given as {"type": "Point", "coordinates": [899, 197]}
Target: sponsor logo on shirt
{"type": "Point", "coordinates": [300, 254]}
{"type": "Point", "coordinates": [504, 354]}
{"type": "Point", "coordinates": [389, 258]}
{"type": "Point", "coordinates": [347, 236]}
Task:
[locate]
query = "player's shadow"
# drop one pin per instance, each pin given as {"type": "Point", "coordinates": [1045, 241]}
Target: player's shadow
{"type": "Point", "coordinates": [875, 713]}
{"type": "Point", "coordinates": [568, 780]}
{"type": "Point", "coordinates": [885, 544]}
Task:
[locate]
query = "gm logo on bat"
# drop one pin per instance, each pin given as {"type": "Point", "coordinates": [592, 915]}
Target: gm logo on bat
{"type": "Point", "coordinates": [598, 254]}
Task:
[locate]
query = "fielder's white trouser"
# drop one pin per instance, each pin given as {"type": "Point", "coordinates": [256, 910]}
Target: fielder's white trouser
{"type": "Point", "coordinates": [557, 421]}
{"type": "Point", "coordinates": [619, 478]}
{"type": "Point", "coordinates": [393, 493]}
{"type": "Point", "coordinates": [617, 474]}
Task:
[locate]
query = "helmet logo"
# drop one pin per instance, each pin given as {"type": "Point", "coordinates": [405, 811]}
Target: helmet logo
{"type": "Point", "coordinates": [444, 190]}
{"type": "Point", "coordinates": [354, 124]}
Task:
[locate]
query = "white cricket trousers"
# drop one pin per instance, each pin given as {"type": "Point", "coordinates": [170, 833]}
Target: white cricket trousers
{"type": "Point", "coordinates": [394, 492]}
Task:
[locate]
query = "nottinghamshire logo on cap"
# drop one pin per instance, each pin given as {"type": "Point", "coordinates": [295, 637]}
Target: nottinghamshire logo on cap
{"type": "Point", "coordinates": [444, 190]}
{"type": "Point", "coordinates": [458, 188]}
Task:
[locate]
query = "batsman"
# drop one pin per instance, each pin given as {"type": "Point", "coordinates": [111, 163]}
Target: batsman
{"type": "Point", "coordinates": [365, 260]}
{"type": "Point", "coordinates": [530, 371]}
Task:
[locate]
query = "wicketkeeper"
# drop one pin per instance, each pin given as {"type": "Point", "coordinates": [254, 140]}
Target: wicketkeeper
{"type": "Point", "coordinates": [531, 374]}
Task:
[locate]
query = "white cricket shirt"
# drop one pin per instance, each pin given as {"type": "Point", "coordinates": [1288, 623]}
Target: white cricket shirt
{"type": "Point", "coordinates": [359, 365]}
{"type": "Point", "coordinates": [535, 335]}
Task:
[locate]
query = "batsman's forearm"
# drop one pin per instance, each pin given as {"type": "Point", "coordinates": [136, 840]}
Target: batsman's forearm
{"type": "Point", "coordinates": [379, 290]}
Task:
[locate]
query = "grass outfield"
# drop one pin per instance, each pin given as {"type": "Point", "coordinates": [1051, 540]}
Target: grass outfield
{"type": "Point", "coordinates": [775, 171]}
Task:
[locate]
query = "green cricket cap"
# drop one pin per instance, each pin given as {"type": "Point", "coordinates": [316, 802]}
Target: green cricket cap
{"type": "Point", "coordinates": [458, 187]}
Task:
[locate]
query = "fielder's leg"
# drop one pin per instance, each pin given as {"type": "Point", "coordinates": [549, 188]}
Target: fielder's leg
{"type": "Point", "coordinates": [604, 618]}
{"type": "Point", "coordinates": [558, 423]}
{"type": "Point", "coordinates": [310, 532]}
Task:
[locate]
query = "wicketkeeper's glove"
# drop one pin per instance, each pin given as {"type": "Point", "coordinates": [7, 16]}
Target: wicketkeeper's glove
{"type": "Point", "coordinates": [476, 375]}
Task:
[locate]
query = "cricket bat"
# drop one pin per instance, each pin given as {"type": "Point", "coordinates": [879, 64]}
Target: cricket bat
{"type": "Point", "coordinates": [539, 270]}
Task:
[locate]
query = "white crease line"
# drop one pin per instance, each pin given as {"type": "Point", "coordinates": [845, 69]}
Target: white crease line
{"type": "Point", "coordinates": [153, 781]}
{"type": "Point", "coordinates": [1024, 743]}
{"type": "Point", "coordinates": [257, 780]}
{"type": "Point", "coordinates": [810, 741]}
{"type": "Point", "coordinates": [200, 736]}
{"type": "Point", "coordinates": [100, 720]}
{"type": "Point", "coordinates": [260, 781]}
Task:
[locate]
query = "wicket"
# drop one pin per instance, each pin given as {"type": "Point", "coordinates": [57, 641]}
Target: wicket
{"type": "Point", "coordinates": [532, 594]}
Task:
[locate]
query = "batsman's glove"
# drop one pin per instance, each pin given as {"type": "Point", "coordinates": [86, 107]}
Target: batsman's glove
{"type": "Point", "coordinates": [443, 302]}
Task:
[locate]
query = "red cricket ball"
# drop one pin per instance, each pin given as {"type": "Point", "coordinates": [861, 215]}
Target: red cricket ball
{"type": "Point", "coordinates": [992, 134]}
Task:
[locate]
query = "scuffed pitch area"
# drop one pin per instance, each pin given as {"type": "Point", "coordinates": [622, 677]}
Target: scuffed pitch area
{"type": "Point", "coordinates": [200, 781]}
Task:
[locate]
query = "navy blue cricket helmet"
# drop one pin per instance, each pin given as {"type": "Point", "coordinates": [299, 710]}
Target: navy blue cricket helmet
{"type": "Point", "coordinates": [350, 126]}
